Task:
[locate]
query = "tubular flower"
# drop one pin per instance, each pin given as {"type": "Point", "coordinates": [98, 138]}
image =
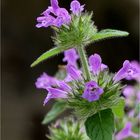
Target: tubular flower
{"type": "Point", "coordinates": [45, 81]}
{"type": "Point", "coordinates": [73, 73]}
{"type": "Point", "coordinates": [92, 91]}
{"type": "Point", "coordinates": [71, 57]}
{"type": "Point", "coordinates": [126, 132]}
{"type": "Point", "coordinates": [54, 93]}
{"type": "Point", "coordinates": [128, 71]}
{"type": "Point", "coordinates": [96, 65]}
{"type": "Point", "coordinates": [76, 8]}
{"type": "Point", "coordinates": [64, 86]}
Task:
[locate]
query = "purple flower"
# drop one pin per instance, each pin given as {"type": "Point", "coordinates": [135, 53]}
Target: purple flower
{"type": "Point", "coordinates": [132, 95]}
{"type": "Point", "coordinates": [137, 67]}
{"type": "Point", "coordinates": [54, 93]}
{"type": "Point", "coordinates": [129, 91]}
{"type": "Point", "coordinates": [45, 81]}
{"type": "Point", "coordinates": [128, 71]}
{"type": "Point", "coordinates": [53, 16]}
{"type": "Point", "coordinates": [76, 8]}
{"type": "Point", "coordinates": [73, 73]}
{"type": "Point", "coordinates": [126, 132]}
{"type": "Point", "coordinates": [92, 91]}
{"type": "Point", "coordinates": [96, 65]}
{"type": "Point", "coordinates": [131, 114]}
{"type": "Point", "coordinates": [71, 57]}
{"type": "Point", "coordinates": [64, 86]}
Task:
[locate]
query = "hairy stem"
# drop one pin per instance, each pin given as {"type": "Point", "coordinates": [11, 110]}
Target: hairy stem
{"type": "Point", "coordinates": [84, 62]}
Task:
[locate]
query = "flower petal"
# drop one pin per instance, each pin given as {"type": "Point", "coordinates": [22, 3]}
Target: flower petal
{"type": "Point", "coordinates": [122, 73]}
{"type": "Point", "coordinates": [54, 93]}
{"type": "Point", "coordinates": [64, 86]}
{"type": "Point", "coordinates": [92, 91]}
{"type": "Point", "coordinates": [95, 62]}
{"type": "Point", "coordinates": [76, 7]}
{"type": "Point", "coordinates": [71, 57]}
{"type": "Point", "coordinates": [45, 81]}
{"type": "Point", "coordinates": [74, 72]}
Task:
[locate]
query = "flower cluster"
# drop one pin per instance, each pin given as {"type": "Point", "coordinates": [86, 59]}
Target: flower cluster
{"type": "Point", "coordinates": [56, 16]}
{"type": "Point", "coordinates": [94, 93]}
{"type": "Point", "coordinates": [61, 88]}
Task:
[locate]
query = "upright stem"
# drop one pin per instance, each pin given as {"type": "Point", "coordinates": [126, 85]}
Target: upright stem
{"type": "Point", "coordinates": [84, 62]}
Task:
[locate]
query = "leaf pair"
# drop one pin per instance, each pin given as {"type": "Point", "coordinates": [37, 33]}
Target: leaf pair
{"type": "Point", "coordinates": [104, 34]}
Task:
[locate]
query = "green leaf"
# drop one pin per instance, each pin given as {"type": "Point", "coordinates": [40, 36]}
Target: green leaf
{"type": "Point", "coordinates": [56, 110]}
{"type": "Point", "coordinates": [47, 55]}
{"type": "Point", "coordinates": [108, 33]}
{"type": "Point", "coordinates": [104, 34]}
{"type": "Point", "coordinates": [118, 109]}
{"type": "Point", "coordinates": [101, 125]}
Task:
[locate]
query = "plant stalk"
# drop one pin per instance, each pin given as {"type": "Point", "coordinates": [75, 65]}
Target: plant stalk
{"type": "Point", "coordinates": [84, 62]}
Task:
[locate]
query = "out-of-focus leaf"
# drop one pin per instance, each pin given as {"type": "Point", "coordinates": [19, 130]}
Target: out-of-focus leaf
{"type": "Point", "coordinates": [57, 109]}
{"type": "Point", "coordinates": [118, 110]}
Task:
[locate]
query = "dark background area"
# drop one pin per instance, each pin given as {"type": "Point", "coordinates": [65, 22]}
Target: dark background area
{"type": "Point", "coordinates": [22, 43]}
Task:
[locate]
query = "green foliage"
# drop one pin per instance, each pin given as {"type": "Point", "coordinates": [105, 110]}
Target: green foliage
{"type": "Point", "coordinates": [101, 125]}
{"type": "Point", "coordinates": [118, 109]}
{"type": "Point", "coordinates": [68, 129]}
{"type": "Point", "coordinates": [80, 32]}
{"type": "Point", "coordinates": [47, 55]}
{"type": "Point", "coordinates": [108, 33]}
{"type": "Point", "coordinates": [84, 109]}
{"type": "Point", "coordinates": [56, 110]}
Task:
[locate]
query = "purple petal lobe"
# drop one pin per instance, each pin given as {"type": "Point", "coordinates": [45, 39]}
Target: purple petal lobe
{"type": "Point", "coordinates": [54, 93]}
{"type": "Point", "coordinates": [63, 13]}
{"type": "Point", "coordinates": [71, 57]}
{"type": "Point", "coordinates": [103, 67]}
{"type": "Point", "coordinates": [45, 81]}
{"type": "Point", "coordinates": [76, 8]}
{"type": "Point", "coordinates": [92, 91]}
{"type": "Point", "coordinates": [95, 62]}
{"type": "Point", "coordinates": [54, 4]}
{"type": "Point", "coordinates": [74, 73]}
{"type": "Point", "coordinates": [64, 86]}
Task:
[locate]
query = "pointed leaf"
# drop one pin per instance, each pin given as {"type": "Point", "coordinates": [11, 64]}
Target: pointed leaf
{"type": "Point", "coordinates": [100, 126]}
{"type": "Point", "coordinates": [57, 109]}
{"type": "Point", "coordinates": [108, 33]}
{"type": "Point", "coordinates": [47, 55]}
{"type": "Point", "coordinates": [118, 110]}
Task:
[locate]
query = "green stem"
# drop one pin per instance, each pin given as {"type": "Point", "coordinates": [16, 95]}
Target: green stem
{"type": "Point", "coordinates": [84, 62]}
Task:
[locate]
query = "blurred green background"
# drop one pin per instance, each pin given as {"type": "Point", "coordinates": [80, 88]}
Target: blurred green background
{"type": "Point", "coordinates": [22, 43]}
